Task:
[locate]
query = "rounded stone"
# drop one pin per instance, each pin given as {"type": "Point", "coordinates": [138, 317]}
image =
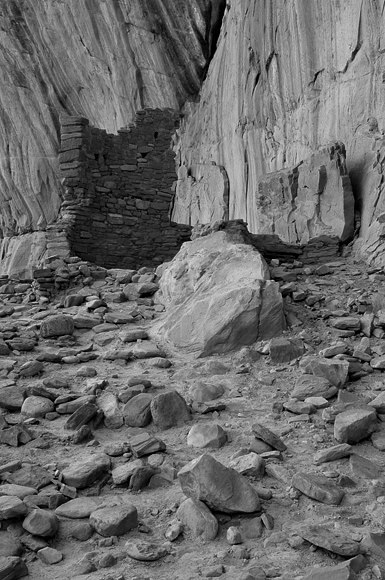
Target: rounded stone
{"type": "Point", "coordinates": [41, 523]}
{"type": "Point", "coordinates": [137, 411]}
{"type": "Point", "coordinates": [36, 406]}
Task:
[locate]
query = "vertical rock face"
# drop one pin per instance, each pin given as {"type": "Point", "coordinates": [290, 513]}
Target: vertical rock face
{"type": "Point", "coordinates": [280, 81]}
{"type": "Point", "coordinates": [312, 199]}
{"type": "Point", "coordinates": [286, 79]}
{"type": "Point", "coordinates": [102, 60]}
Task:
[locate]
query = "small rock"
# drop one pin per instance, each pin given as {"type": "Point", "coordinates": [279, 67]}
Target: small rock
{"type": "Point", "coordinates": [50, 556]}
{"type": "Point", "coordinates": [145, 551]}
{"type": "Point", "coordinates": [234, 535]}
{"type": "Point", "coordinates": [206, 435]}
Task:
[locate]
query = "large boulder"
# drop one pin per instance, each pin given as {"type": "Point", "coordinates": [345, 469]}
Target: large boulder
{"type": "Point", "coordinates": [221, 488]}
{"type": "Point", "coordinates": [219, 296]}
{"type": "Point", "coordinates": [313, 198]}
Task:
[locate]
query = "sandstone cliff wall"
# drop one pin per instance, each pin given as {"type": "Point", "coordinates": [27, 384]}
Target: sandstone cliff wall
{"type": "Point", "coordinates": [286, 79]}
{"type": "Point", "coordinates": [100, 59]}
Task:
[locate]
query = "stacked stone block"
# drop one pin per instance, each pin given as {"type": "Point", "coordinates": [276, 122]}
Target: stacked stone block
{"type": "Point", "coordinates": [118, 191]}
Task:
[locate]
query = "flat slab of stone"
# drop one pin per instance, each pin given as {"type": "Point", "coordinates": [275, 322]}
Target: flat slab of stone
{"type": "Point", "coordinates": [335, 371]}
{"type": "Point", "coordinates": [84, 472]}
{"type": "Point", "coordinates": [81, 507]}
{"type": "Point", "coordinates": [20, 491]}
{"type": "Point", "coordinates": [268, 436]}
{"type": "Point", "coordinates": [319, 487]}
{"type": "Point", "coordinates": [31, 476]}
{"type": "Point", "coordinates": [332, 453]}
{"type": "Point", "coordinates": [355, 424]}
{"type": "Point", "coordinates": [220, 487]}
{"type": "Point", "coordinates": [337, 542]}
{"type": "Point", "coordinates": [145, 551]}
{"type": "Point", "coordinates": [197, 517]}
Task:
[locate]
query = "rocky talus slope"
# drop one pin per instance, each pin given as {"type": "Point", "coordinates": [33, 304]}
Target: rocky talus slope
{"type": "Point", "coordinates": [125, 458]}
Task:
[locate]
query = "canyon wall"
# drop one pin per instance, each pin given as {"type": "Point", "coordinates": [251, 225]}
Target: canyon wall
{"type": "Point", "coordinates": [100, 59]}
{"type": "Point", "coordinates": [263, 84]}
{"type": "Point", "coordinates": [286, 79]}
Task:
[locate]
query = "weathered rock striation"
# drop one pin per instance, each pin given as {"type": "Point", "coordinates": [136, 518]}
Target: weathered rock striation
{"type": "Point", "coordinates": [104, 61]}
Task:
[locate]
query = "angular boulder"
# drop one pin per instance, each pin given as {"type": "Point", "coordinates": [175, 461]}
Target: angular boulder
{"type": "Point", "coordinates": [355, 424]}
{"type": "Point", "coordinates": [197, 517]}
{"type": "Point", "coordinates": [219, 487]}
{"type": "Point", "coordinates": [313, 198]}
{"type": "Point", "coordinates": [335, 371]}
{"type": "Point", "coordinates": [219, 296]}
{"type": "Point", "coordinates": [58, 325]}
{"type": "Point", "coordinates": [114, 521]}
{"type": "Point", "coordinates": [84, 472]}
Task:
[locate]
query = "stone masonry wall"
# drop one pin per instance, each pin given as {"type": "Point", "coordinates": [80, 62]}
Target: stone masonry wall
{"type": "Point", "coordinates": [118, 191]}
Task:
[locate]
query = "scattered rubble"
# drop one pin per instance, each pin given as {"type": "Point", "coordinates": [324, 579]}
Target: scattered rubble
{"type": "Point", "coordinates": [270, 454]}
